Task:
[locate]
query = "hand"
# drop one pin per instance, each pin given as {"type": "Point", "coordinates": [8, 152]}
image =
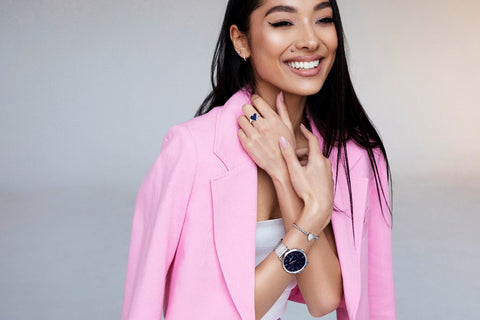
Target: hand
{"type": "Point", "coordinates": [260, 138]}
{"type": "Point", "coordinates": [313, 182]}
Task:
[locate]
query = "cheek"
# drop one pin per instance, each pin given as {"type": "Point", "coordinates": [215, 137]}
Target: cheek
{"type": "Point", "coordinates": [266, 44]}
{"type": "Point", "coordinates": [333, 41]}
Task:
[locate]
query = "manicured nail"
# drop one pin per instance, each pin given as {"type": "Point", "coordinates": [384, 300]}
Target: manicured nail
{"type": "Point", "coordinates": [282, 97]}
{"type": "Point", "coordinates": [283, 143]}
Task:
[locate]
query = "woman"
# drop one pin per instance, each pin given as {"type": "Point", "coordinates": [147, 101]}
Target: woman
{"type": "Point", "coordinates": [280, 193]}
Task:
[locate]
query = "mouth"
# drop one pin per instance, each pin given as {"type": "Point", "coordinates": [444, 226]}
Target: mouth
{"type": "Point", "coordinates": [304, 65]}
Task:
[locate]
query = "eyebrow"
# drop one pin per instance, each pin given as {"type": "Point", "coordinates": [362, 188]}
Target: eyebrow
{"type": "Point", "coordinates": [320, 6]}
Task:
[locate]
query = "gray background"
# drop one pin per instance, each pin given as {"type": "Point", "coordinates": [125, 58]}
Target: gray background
{"type": "Point", "coordinates": [89, 88]}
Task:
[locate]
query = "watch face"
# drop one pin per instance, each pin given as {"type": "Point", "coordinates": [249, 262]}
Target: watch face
{"type": "Point", "coordinates": [294, 261]}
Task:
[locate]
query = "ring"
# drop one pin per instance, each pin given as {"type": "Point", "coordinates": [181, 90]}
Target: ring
{"type": "Point", "coordinates": [253, 117]}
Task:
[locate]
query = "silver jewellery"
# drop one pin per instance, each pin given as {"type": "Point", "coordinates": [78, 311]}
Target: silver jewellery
{"type": "Point", "coordinates": [310, 236]}
{"type": "Point", "coordinates": [244, 57]}
{"type": "Point", "coordinates": [253, 117]}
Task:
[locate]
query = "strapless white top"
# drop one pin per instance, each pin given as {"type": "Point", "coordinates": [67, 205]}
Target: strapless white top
{"type": "Point", "coordinates": [268, 233]}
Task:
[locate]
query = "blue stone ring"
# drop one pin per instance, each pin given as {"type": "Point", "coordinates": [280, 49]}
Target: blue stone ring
{"type": "Point", "coordinates": [253, 117]}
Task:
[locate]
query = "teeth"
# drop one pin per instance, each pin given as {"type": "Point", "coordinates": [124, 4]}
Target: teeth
{"type": "Point", "coordinates": [304, 65]}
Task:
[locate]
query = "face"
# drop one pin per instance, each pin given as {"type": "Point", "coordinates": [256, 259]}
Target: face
{"type": "Point", "coordinates": [292, 45]}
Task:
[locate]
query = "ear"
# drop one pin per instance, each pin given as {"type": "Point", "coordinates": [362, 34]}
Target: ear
{"type": "Point", "coordinates": [240, 42]}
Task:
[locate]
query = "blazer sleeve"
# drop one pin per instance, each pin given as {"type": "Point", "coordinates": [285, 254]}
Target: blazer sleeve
{"type": "Point", "coordinates": [380, 268]}
{"type": "Point", "coordinates": [157, 224]}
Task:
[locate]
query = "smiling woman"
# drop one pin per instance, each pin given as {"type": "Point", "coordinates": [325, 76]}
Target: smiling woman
{"type": "Point", "coordinates": [285, 41]}
{"type": "Point", "coordinates": [277, 190]}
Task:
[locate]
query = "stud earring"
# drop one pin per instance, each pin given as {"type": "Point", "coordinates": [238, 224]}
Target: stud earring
{"type": "Point", "coordinates": [244, 57]}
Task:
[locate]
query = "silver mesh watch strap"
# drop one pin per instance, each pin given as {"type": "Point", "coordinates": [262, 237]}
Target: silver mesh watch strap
{"type": "Point", "coordinates": [280, 249]}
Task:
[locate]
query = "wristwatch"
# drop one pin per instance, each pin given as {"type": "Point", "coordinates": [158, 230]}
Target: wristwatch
{"type": "Point", "coordinates": [293, 260]}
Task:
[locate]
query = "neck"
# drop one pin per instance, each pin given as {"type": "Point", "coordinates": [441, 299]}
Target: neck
{"type": "Point", "coordinates": [295, 105]}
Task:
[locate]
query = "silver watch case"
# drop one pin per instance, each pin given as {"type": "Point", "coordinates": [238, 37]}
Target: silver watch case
{"type": "Point", "coordinates": [293, 260]}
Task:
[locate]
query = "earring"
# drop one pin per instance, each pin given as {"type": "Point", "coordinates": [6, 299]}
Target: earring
{"type": "Point", "coordinates": [244, 57]}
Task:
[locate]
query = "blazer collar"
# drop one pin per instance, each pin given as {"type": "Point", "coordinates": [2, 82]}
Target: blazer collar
{"type": "Point", "coordinates": [227, 146]}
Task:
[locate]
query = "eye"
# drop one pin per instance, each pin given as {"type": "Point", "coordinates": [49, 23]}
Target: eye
{"type": "Point", "coordinates": [326, 20]}
{"type": "Point", "coordinates": [279, 24]}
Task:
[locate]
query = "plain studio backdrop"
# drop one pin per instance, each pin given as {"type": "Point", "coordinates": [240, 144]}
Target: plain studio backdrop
{"type": "Point", "coordinates": [89, 88]}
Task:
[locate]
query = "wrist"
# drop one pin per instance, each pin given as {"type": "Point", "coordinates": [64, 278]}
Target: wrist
{"type": "Point", "coordinates": [314, 208]}
{"type": "Point", "coordinates": [295, 239]}
{"type": "Point", "coordinates": [312, 221]}
{"type": "Point", "coordinates": [280, 177]}
{"type": "Point", "coordinates": [310, 236]}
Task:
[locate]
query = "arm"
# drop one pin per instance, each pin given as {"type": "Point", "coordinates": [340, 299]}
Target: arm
{"type": "Point", "coordinates": [380, 270]}
{"type": "Point", "coordinates": [320, 282]}
{"type": "Point", "coordinates": [158, 219]}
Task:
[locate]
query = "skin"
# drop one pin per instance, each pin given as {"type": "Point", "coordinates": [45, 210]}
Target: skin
{"type": "Point", "coordinates": [294, 178]}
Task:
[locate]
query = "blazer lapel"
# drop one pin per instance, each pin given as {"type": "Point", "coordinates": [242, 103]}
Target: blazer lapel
{"type": "Point", "coordinates": [234, 218]}
{"type": "Point", "coordinates": [234, 196]}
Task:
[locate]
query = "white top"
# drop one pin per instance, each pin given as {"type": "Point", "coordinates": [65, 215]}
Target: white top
{"type": "Point", "coordinates": [269, 233]}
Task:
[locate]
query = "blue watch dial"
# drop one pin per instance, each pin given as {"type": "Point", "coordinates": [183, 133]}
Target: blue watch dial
{"type": "Point", "coordinates": [294, 261]}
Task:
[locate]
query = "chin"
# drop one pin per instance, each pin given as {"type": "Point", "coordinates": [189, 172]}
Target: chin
{"type": "Point", "coordinates": [292, 86]}
{"type": "Point", "coordinates": [304, 90]}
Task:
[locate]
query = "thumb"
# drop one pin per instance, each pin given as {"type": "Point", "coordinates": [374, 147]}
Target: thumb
{"type": "Point", "coordinates": [282, 110]}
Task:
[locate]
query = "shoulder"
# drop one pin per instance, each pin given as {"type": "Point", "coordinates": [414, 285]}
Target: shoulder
{"type": "Point", "coordinates": [187, 135]}
{"type": "Point", "coordinates": [219, 123]}
{"type": "Point", "coordinates": [360, 161]}
{"type": "Point", "coordinates": [371, 168]}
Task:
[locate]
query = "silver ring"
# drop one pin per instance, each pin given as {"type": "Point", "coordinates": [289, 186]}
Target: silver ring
{"type": "Point", "coordinates": [253, 118]}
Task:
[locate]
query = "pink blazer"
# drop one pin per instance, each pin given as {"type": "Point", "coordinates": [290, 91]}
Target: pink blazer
{"type": "Point", "coordinates": [192, 250]}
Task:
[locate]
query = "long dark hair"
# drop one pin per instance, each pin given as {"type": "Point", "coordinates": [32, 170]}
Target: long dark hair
{"type": "Point", "coordinates": [341, 116]}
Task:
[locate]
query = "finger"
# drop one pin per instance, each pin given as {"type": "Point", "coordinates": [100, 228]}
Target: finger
{"type": "Point", "coordinates": [245, 125]}
{"type": "Point", "coordinates": [282, 111]}
{"type": "Point", "coordinates": [244, 141]}
{"type": "Point", "coordinates": [249, 109]}
{"type": "Point", "coordinates": [290, 157]}
{"type": "Point", "coordinates": [313, 143]}
{"type": "Point", "coordinates": [262, 106]}
{"type": "Point", "coordinates": [251, 115]}
{"type": "Point", "coordinates": [242, 136]}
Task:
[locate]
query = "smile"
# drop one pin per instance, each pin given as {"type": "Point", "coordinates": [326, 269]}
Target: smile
{"type": "Point", "coordinates": [303, 65]}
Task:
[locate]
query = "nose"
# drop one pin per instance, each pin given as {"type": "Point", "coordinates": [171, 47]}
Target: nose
{"type": "Point", "coordinates": [307, 39]}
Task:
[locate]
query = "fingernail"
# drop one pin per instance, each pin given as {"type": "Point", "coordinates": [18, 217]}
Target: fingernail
{"type": "Point", "coordinates": [282, 98]}
{"type": "Point", "coordinates": [283, 143]}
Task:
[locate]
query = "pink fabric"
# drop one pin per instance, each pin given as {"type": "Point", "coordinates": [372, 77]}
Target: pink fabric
{"type": "Point", "coordinates": [192, 250]}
